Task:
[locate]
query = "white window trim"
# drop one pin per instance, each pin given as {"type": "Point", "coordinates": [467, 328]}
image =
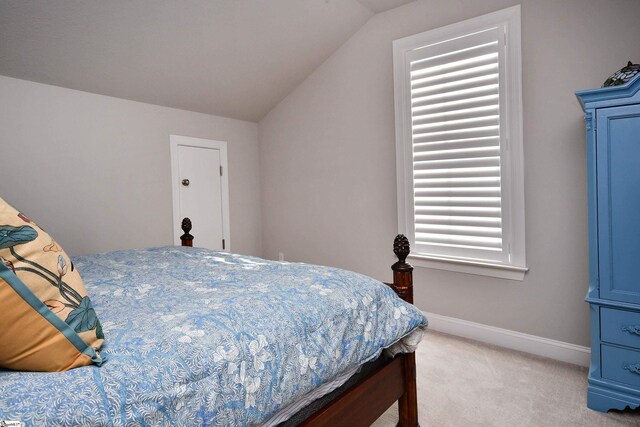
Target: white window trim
{"type": "Point", "coordinates": [512, 171]}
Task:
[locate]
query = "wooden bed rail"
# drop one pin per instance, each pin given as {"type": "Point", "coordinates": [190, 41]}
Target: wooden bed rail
{"type": "Point", "coordinates": [365, 401]}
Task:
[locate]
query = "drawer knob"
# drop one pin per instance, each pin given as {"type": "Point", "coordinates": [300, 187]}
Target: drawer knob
{"type": "Point", "coordinates": [633, 368]}
{"type": "Point", "coordinates": [632, 329]}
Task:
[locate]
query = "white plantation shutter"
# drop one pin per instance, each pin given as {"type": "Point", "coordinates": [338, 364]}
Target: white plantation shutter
{"type": "Point", "coordinates": [453, 139]}
{"type": "Point", "coordinates": [455, 118]}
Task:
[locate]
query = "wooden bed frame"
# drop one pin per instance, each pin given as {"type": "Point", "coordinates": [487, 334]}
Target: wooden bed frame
{"type": "Point", "coordinates": [364, 402]}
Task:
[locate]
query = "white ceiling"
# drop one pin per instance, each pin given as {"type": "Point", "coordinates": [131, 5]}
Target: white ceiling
{"type": "Point", "coordinates": [233, 58]}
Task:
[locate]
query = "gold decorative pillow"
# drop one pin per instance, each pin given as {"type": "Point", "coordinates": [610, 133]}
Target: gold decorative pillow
{"type": "Point", "coordinates": [35, 270]}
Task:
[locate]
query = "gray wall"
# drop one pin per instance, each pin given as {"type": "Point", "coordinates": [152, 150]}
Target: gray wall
{"type": "Point", "coordinates": [328, 161]}
{"type": "Point", "coordinates": [95, 171]}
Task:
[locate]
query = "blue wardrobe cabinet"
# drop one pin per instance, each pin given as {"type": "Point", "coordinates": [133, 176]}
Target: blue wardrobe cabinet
{"type": "Point", "coordinates": [612, 118]}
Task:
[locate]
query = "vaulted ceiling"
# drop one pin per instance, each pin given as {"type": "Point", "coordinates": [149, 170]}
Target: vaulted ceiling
{"type": "Point", "coordinates": [232, 58]}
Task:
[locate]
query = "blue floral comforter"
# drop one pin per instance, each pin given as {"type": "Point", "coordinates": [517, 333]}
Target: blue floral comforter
{"type": "Point", "coordinates": [196, 337]}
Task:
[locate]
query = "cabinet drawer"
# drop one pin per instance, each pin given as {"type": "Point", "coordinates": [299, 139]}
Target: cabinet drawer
{"type": "Point", "coordinates": [620, 364]}
{"type": "Point", "coordinates": [620, 327]}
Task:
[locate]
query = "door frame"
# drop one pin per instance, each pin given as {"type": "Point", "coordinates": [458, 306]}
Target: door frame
{"type": "Point", "coordinates": [176, 141]}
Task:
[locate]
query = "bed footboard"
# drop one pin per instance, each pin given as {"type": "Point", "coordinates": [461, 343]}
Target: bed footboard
{"type": "Point", "coordinates": [367, 400]}
{"type": "Point", "coordinates": [364, 402]}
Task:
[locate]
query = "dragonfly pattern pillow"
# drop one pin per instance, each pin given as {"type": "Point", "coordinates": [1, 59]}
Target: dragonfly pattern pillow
{"type": "Point", "coordinates": [48, 323]}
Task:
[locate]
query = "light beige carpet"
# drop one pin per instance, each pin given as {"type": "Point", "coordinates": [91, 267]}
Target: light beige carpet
{"type": "Point", "coordinates": [467, 383]}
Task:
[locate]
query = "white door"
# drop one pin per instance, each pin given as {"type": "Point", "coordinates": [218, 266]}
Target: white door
{"type": "Point", "coordinates": [200, 190]}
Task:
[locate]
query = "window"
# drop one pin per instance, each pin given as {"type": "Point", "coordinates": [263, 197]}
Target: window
{"type": "Point", "coordinates": [459, 145]}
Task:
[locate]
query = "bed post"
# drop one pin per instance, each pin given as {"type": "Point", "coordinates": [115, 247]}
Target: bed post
{"type": "Point", "coordinates": [187, 239]}
{"type": "Point", "coordinates": [402, 272]}
{"type": "Point", "coordinates": [403, 285]}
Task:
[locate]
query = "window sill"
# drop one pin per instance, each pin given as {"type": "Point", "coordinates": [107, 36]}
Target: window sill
{"type": "Point", "coordinates": [479, 268]}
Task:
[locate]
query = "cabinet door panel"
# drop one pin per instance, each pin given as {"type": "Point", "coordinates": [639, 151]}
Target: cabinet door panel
{"type": "Point", "coordinates": [618, 171]}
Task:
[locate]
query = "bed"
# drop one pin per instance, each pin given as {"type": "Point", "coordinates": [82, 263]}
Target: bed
{"type": "Point", "coordinates": [198, 337]}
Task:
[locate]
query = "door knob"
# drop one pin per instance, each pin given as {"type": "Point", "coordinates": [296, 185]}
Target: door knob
{"type": "Point", "coordinates": [185, 182]}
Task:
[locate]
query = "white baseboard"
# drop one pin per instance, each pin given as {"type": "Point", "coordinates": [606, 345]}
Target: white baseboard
{"type": "Point", "coordinates": [558, 350]}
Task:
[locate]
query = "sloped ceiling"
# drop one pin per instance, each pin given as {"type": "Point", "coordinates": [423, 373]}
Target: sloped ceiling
{"type": "Point", "coordinates": [232, 58]}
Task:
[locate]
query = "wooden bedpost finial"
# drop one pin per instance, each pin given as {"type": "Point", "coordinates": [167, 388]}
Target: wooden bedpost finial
{"type": "Point", "coordinates": [401, 247]}
{"type": "Point", "coordinates": [402, 272]}
{"type": "Point", "coordinates": [187, 239]}
{"type": "Point", "coordinates": [402, 250]}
